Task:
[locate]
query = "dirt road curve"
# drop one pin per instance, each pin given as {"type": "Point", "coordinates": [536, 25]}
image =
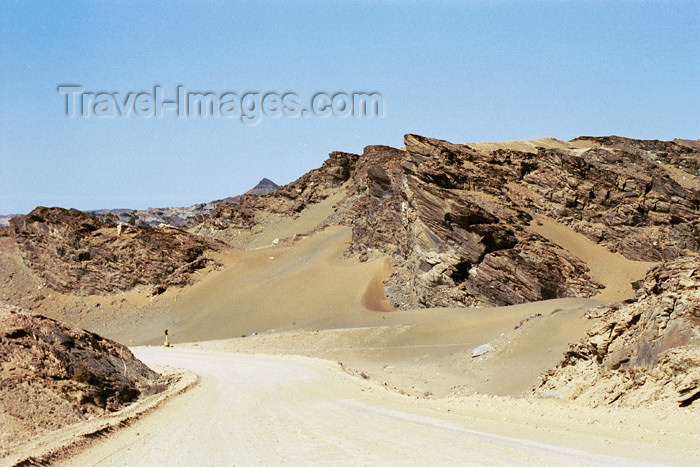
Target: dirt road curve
{"type": "Point", "coordinates": [254, 410]}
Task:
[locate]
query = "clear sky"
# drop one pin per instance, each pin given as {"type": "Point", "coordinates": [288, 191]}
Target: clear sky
{"type": "Point", "coordinates": [461, 71]}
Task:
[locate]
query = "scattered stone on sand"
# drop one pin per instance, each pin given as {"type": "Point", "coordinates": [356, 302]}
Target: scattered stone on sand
{"type": "Point", "coordinates": [481, 350]}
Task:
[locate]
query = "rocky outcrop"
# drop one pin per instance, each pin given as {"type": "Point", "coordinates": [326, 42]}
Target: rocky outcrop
{"type": "Point", "coordinates": [52, 375]}
{"type": "Point", "coordinates": [454, 218]}
{"type": "Point", "coordinates": [621, 195]}
{"type": "Point", "coordinates": [639, 352]}
{"type": "Point", "coordinates": [230, 218]}
{"type": "Point", "coordinates": [454, 238]}
{"type": "Point", "coordinates": [264, 187]}
{"type": "Point", "coordinates": [182, 217]}
{"type": "Point", "coordinates": [75, 253]}
{"type": "Point", "coordinates": [623, 198]}
{"type": "Point", "coordinates": [682, 154]}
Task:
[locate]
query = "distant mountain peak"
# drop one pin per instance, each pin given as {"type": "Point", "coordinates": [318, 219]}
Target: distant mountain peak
{"type": "Point", "coordinates": [264, 187]}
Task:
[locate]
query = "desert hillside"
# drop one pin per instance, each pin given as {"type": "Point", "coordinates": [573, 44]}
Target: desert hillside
{"type": "Point", "coordinates": [436, 270]}
{"type": "Point", "coordinates": [460, 222]}
{"type": "Point", "coordinates": [76, 253]}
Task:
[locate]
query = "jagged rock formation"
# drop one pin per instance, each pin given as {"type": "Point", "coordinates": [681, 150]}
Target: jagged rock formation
{"type": "Point", "coordinates": [455, 217]}
{"type": "Point", "coordinates": [264, 187]}
{"type": "Point", "coordinates": [52, 375]}
{"type": "Point", "coordinates": [183, 217]}
{"type": "Point", "coordinates": [454, 241]}
{"type": "Point", "coordinates": [463, 214]}
{"type": "Point", "coordinates": [639, 352]}
{"type": "Point", "coordinates": [624, 195]}
{"type": "Point", "coordinates": [75, 253]}
{"type": "Point", "coordinates": [250, 210]}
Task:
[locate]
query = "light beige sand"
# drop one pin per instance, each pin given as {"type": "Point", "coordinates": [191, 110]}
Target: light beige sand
{"type": "Point", "coordinates": [532, 145]}
{"type": "Point", "coordinates": [612, 270]}
{"type": "Point", "coordinates": [294, 293]}
{"type": "Point", "coordinates": [305, 284]}
{"type": "Point", "coordinates": [429, 351]}
{"type": "Point", "coordinates": [302, 296]}
{"type": "Point", "coordinates": [285, 227]}
{"type": "Point", "coordinates": [269, 410]}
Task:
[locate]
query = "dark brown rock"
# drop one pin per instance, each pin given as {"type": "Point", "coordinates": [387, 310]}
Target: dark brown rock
{"type": "Point", "coordinates": [75, 253]}
{"type": "Point", "coordinates": [453, 244]}
{"type": "Point", "coordinates": [454, 218]}
{"type": "Point", "coordinates": [52, 375]}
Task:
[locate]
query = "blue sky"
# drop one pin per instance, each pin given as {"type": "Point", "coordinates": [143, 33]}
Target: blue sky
{"type": "Point", "coordinates": [461, 71]}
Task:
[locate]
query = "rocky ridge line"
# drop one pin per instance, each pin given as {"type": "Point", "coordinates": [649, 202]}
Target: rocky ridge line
{"type": "Point", "coordinates": [184, 217]}
{"type": "Point", "coordinates": [454, 218]}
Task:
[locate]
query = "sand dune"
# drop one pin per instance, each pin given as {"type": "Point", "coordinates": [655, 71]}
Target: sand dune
{"type": "Point", "coordinates": [612, 270]}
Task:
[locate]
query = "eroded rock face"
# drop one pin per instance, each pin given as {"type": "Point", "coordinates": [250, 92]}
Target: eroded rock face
{"type": "Point", "coordinates": [52, 375]}
{"type": "Point", "coordinates": [455, 239]}
{"type": "Point", "coordinates": [76, 253]}
{"type": "Point", "coordinates": [454, 218]}
{"type": "Point", "coordinates": [639, 352]}
{"type": "Point", "coordinates": [621, 198]}
{"type": "Point", "coordinates": [622, 195]}
{"type": "Point", "coordinates": [250, 210]}
{"type": "Point", "coordinates": [681, 153]}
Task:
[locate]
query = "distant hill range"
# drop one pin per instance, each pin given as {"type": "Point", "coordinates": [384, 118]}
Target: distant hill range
{"type": "Point", "coordinates": [181, 216]}
{"type": "Point", "coordinates": [177, 217]}
{"type": "Point", "coordinates": [264, 187]}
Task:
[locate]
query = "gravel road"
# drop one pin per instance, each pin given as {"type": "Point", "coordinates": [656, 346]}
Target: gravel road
{"type": "Point", "coordinates": [270, 410]}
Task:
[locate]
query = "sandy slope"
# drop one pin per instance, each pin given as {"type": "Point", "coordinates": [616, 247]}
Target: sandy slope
{"type": "Point", "coordinates": [612, 270]}
{"type": "Point", "coordinates": [235, 417]}
{"type": "Point", "coordinates": [428, 352]}
{"type": "Point", "coordinates": [305, 284]}
{"type": "Point", "coordinates": [303, 296]}
{"type": "Point", "coordinates": [532, 145]}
